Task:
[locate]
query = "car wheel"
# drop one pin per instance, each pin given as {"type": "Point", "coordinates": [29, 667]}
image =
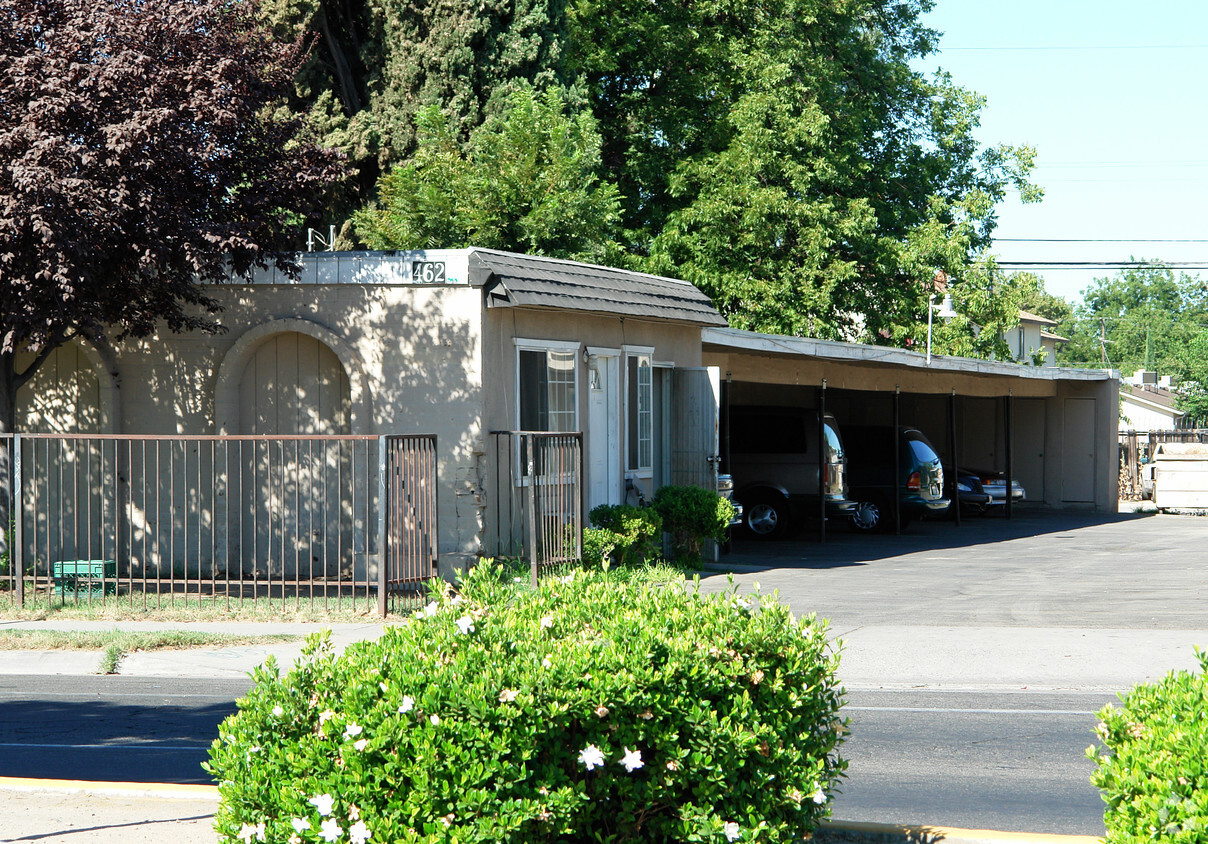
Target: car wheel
{"type": "Point", "coordinates": [766, 518]}
{"type": "Point", "coordinates": [869, 516]}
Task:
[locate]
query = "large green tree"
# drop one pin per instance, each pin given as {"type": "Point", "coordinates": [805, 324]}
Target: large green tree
{"type": "Point", "coordinates": [785, 156]}
{"type": "Point", "coordinates": [379, 63]}
{"type": "Point", "coordinates": [527, 182]}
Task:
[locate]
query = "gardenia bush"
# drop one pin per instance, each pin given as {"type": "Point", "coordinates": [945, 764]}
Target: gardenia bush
{"type": "Point", "coordinates": [1154, 777]}
{"type": "Point", "coordinates": [586, 710]}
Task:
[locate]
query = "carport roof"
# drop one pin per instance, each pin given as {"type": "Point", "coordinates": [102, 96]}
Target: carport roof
{"type": "Point", "coordinates": [737, 340]}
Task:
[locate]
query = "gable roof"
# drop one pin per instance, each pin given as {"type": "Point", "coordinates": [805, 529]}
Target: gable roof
{"type": "Point", "coordinates": [1024, 316]}
{"type": "Point", "coordinates": [1155, 398]}
{"type": "Point", "coordinates": [511, 280]}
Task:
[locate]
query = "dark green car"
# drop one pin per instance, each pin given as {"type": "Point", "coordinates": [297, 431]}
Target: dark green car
{"type": "Point", "coordinates": [872, 480]}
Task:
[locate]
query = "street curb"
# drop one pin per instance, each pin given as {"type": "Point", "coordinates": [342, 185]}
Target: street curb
{"type": "Point", "coordinates": [855, 832]}
{"type": "Point", "coordinates": [167, 791]}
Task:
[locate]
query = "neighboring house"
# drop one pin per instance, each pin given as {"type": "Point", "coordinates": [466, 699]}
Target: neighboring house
{"type": "Point", "coordinates": [1031, 336]}
{"type": "Point", "coordinates": [1148, 404]}
{"type": "Point", "coordinates": [457, 343]}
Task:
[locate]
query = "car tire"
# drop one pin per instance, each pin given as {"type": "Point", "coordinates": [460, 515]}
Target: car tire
{"type": "Point", "coordinates": [766, 518]}
{"type": "Point", "coordinates": [869, 516]}
{"type": "Point", "coordinates": [875, 516]}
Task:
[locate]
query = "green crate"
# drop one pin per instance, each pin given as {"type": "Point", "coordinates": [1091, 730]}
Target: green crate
{"type": "Point", "coordinates": [90, 577]}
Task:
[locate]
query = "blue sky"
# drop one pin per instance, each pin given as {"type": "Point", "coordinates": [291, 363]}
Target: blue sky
{"type": "Point", "coordinates": [1114, 97]}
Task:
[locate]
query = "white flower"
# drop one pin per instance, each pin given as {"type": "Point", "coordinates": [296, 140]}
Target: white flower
{"type": "Point", "coordinates": [300, 824]}
{"type": "Point", "coordinates": [278, 711]}
{"type": "Point", "coordinates": [428, 611]}
{"type": "Point", "coordinates": [731, 831]}
{"type": "Point", "coordinates": [247, 832]}
{"type": "Point", "coordinates": [352, 730]}
{"type": "Point", "coordinates": [361, 744]}
{"type": "Point", "coordinates": [435, 719]}
{"type": "Point", "coordinates": [407, 705]}
{"type": "Point", "coordinates": [507, 695]}
{"type": "Point", "coordinates": [632, 760]}
{"type": "Point", "coordinates": [330, 830]}
{"type": "Point", "coordinates": [819, 796]}
{"type": "Point", "coordinates": [455, 600]}
{"type": "Point", "coordinates": [323, 803]}
{"type": "Point", "coordinates": [466, 624]}
{"type": "Point", "coordinates": [545, 663]}
{"type": "Point", "coordinates": [547, 622]}
{"type": "Point", "coordinates": [325, 716]}
{"type": "Point", "coordinates": [569, 578]}
{"type": "Point", "coordinates": [591, 757]}
{"type": "Point", "coordinates": [358, 833]}
{"type": "Point", "coordinates": [294, 839]}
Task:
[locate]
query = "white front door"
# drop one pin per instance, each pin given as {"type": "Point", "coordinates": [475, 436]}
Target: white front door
{"type": "Point", "coordinates": [603, 431]}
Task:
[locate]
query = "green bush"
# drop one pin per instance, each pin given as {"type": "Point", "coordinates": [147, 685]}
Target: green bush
{"type": "Point", "coordinates": [692, 514]}
{"type": "Point", "coordinates": [1154, 777]}
{"type": "Point", "coordinates": [635, 533]}
{"type": "Point", "coordinates": [588, 710]}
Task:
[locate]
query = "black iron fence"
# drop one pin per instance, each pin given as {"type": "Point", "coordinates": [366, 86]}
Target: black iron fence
{"type": "Point", "coordinates": [538, 498]}
{"type": "Point", "coordinates": [341, 522]}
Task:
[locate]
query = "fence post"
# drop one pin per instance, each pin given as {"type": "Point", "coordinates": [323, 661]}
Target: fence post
{"type": "Point", "coordinates": [531, 464]}
{"type": "Point", "coordinates": [382, 505]}
{"type": "Point", "coordinates": [15, 556]}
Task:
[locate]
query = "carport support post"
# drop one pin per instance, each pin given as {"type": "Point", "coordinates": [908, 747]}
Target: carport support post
{"type": "Point", "coordinates": [1008, 402]}
{"type": "Point", "coordinates": [897, 460]}
{"type": "Point", "coordinates": [822, 460]}
{"type": "Point", "coordinates": [954, 482]}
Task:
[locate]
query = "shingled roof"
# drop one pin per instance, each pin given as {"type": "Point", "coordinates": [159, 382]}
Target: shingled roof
{"type": "Point", "coordinates": [528, 281]}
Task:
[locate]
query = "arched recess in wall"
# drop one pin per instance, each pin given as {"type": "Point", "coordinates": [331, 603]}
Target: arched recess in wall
{"type": "Point", "coordinates": [74, 391]}
{"type": "Point", "coordinates": [291, 376]}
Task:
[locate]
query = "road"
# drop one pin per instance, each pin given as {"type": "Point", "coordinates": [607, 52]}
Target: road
{"type": "Point", "coordinates": [118, 729]}
{"type": "Point", "coordinates": [1010, 761]}
{"type": "Point", "coordinates": [999, 760]}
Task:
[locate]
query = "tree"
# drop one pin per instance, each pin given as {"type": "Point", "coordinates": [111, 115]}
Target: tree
{"type": "Point", "coordinates": [379, 63]}
{"type": "Point", "coordinates": [1144, 317]}
{"type": "Point", "coordinates": [527, 183]}
{"type": "Point", "coordinates": [785, 157]}
{"type": "Point", "coordinates": [142, 159]}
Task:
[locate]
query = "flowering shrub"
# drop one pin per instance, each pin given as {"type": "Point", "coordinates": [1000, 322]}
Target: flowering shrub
{"type": "Point", "coordinates": [635, 533]}
{"type": "Point", "coordinates": [587, 710]}
{"type": "Point", "coordinates": [1154, 780]}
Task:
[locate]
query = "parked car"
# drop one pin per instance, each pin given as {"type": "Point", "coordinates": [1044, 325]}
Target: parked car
{"type": "Point", "coordinates": [917, 482]}
{"type": "Point", "coordinates": [773, 456]}
{"type": "Point", "coordinates": [995, 485]}
{"type": "Point", "coordinates": [973, 498]}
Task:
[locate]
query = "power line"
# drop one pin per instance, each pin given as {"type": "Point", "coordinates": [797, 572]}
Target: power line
{"type": "Point", "coordinates": [1073, 47]}
{"type": "Point", "coordinates": [1097, 240]}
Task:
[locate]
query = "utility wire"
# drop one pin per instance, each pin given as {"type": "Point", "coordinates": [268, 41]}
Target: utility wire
{"type": "Point", "coordinates": [1097, 240]}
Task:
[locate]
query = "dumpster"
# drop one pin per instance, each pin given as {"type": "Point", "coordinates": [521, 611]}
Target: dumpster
{"type": "Point", "coordinates": [1180, 476]}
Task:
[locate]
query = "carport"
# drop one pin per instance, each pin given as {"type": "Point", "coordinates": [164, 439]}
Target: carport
{"type": "Point", "coordinates": [1052, 429]}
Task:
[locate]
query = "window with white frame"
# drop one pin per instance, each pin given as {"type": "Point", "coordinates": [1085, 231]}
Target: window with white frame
{"type": "Point", "coordinates": [546, 387]}
{"type": "Point", "coordinates": [639, 410]}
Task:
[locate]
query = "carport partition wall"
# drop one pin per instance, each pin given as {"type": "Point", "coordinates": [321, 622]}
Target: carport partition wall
{"type": "Point", "coordinates": [1052, 429]}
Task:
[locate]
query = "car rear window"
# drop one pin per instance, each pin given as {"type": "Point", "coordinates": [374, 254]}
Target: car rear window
{"type": "Point", "coordinates": [922, 451]}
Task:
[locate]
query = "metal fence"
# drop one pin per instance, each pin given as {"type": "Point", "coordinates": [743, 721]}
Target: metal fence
{"type": "Point", "coordinates": [1136, 452]}
{"type": "Point", "coordinates": [538, 512]}
{"type": "Point", "coordinates": [157, 520]}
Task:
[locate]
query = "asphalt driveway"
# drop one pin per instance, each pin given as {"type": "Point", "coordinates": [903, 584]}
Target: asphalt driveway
{"type": "Point", "coordinates": [1049, 598]}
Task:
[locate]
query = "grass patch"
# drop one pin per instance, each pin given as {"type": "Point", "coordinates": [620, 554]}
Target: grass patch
{"type": "Point", "coordinates": [194, 609]}
{"type": "Point", "coordinates": [130, 640]}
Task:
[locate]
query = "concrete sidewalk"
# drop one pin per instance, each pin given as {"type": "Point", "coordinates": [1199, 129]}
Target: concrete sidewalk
{"type": "Point", "coordinates": [193, 662]}
{"type": "Point", "coordinates": [135, 813]}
